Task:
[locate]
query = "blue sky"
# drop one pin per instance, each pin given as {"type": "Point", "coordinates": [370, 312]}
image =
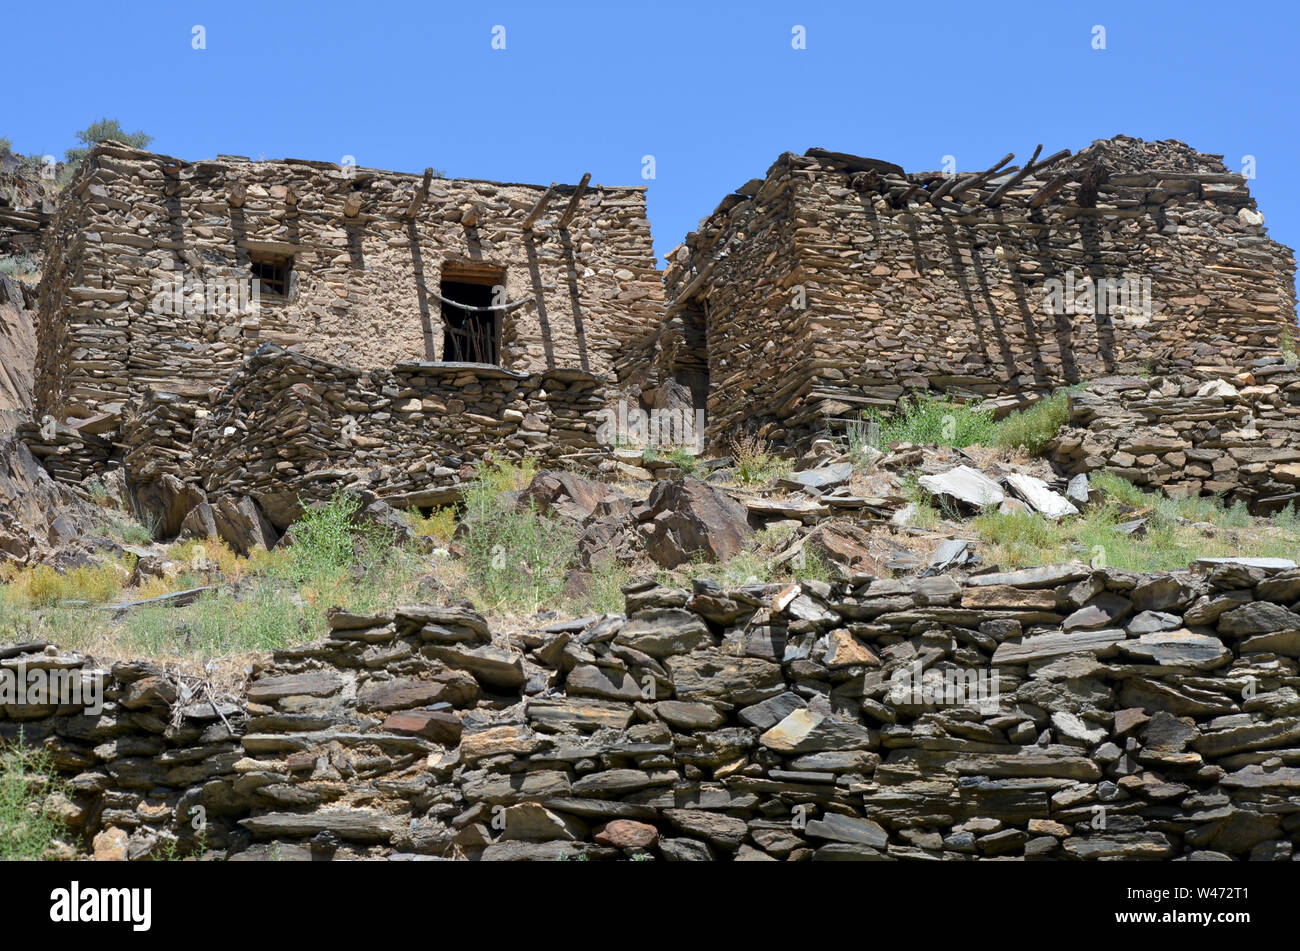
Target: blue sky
{"type": "Point", "coordinates": [713, 92]}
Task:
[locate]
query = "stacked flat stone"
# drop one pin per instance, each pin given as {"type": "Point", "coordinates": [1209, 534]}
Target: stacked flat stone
{"type": "Point", "coordinates": [370, 249]}
{"type": "Point", "coordinates": [1142, 716]}
{"type": "Point", "coordinates": [289, 425]}
{"type": "Point", "coordinates": [836, 283]}
{"type": "Point", "coordinates": [1209, 431]}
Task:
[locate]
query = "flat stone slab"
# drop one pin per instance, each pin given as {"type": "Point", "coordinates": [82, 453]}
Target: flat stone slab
{"type": "Point", "coordinates": [1043, 500]}
{"type": "Point", "coordinates": [1268, 564]}
{"type": "Point", "coordinates": [966, 485]}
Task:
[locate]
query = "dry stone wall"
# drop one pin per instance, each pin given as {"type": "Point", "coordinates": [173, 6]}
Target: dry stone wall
{"type": "Point", "coordinates": [1208, 431]}
{"type": "Point", "coordinates": [836, 283]}
{"type": "Point", "coordinates": [1047, 713]}
{"type": "Point", "coordinates": [369, 251]}
{"type": "Point", "coordinates": [288, 425]}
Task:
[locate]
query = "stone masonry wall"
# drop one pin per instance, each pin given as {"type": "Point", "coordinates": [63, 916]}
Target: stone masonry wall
{"type": "Point", "coordinates": [288, 424]}
{"type": "Point", "coordinates": [905, 288]}
{"type": "Point", "coordinates": [365, 275]}
{"type": "Point", "coordinates": [1209, 431]}
{"type": "Point", "coordinates": [1132, 716]}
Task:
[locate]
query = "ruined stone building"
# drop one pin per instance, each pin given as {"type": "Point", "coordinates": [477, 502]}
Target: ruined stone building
{"type": "Point", "coordinates": [835, 283]}
{"type": "Point", "coordinates": [151, 260]}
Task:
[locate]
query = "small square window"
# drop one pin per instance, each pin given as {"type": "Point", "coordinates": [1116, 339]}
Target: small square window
{"type": "Point", "coordinates": [272, 274]}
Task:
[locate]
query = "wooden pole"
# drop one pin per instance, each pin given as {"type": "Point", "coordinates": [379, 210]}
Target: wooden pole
{"type": "Point", "coordinates": [420, 195]}
{"type": "Point", "coordinates": [572, 210]}
{"type": "Point", "coordinates": [531, 218]}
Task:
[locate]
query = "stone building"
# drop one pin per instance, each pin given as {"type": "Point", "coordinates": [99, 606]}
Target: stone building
{"type": "Point", "coordinates": [153, 264]}
{"type": "Point", "coordinates": [836, 283]}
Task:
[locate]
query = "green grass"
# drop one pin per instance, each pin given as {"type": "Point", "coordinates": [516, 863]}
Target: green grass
{"type": "Point", "coordinates": [606, 596]}
{"type": "Point", "coordinates": [1169, 543]}
{"type": "Point", "coordinates": [516, 558]}
{"type": "Point", "coordinates": [932, 420]}
{"type": "Point", "coordinates": [1033, 428]}
{"type": "Point", "coordinates": [27, 778]}
{"type": "Point", "coordinates": [125, 529]}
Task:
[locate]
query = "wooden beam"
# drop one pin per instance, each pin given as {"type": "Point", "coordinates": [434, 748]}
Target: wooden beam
{"type": "Point", "coordinates": [1032, 168]}
{"type": "Point", "coordinates": [531, 218]}
{"type": "Point", "coordinates": [981, 178]}
{"type": "Point", "coordinates": [421, 194]}
{"type": "Point", "coordinates": [572, 210]}
{"type": "Point", "coordinates": [1014, 180]}
{"type": "Point", "coordinates": [947, 186]}
{"type": "Point", "coordinates": [908, 193]}
{"type": "Point", "coordinates": [695, 284]}
{"type": "Point", "coordinates": [1048, 190]}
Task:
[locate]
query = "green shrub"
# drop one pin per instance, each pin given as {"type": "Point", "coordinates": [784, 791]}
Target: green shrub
{"type": "Point", "coordinates": [102, 131]}
{"type": "Point", "coordinates": [516, 558]}
{"type": "Point", "coordinates": [27, 828]}
{"type": "Point", "coordinates": [18, 265]}
{"type": "Point", "coordinates": [329, 539]}
{"type": "Point", "coordinates": [932, 420]}
{"type": "Point", "coordinates": [755, 463]}
{"type": "Point", "coordinates": [1033, 428]}
{"type": "Point", "coordinates": [683, 459]}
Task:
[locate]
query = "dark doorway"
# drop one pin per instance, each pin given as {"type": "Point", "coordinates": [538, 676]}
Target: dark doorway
{"type": "Point", "coordinates": [468, 336]}
{"type": "Point", "coordinates": [690, 361]}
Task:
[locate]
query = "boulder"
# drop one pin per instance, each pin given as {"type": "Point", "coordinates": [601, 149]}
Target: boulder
{"type": "Point", "coordinates": [242, 526]}
{"type": "Point", "coordinates": [686, 519]}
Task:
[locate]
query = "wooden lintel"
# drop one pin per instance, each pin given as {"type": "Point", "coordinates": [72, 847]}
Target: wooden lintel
{"type": "Point", "coordinates": [693, 286]}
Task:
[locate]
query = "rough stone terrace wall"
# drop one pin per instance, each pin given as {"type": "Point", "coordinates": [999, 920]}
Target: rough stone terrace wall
{"type": "Point", "coordinates": [1210, 431]}
{"type": "Point", "coordinates": [903, 287]}
{"type": "Point", "coordinates": [365, 276]}
{"type": "Point", "coordinates": [288, 424]}
{"type": "Point", "coordinates": [1132, 716]}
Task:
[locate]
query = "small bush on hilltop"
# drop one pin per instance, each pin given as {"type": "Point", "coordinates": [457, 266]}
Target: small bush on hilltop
{"type": "Point", "coordinates": [102, 131]}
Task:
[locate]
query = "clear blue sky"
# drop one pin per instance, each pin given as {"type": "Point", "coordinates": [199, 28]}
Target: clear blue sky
{"type": "Point", "coordinates": [714, 92]}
